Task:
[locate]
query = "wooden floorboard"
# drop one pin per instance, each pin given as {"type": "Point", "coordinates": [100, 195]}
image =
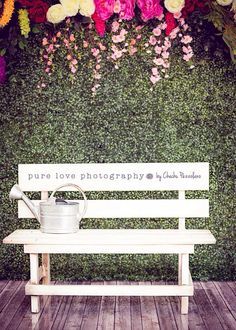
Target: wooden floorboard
{"type": "Point", "coordinates": [213, 307]}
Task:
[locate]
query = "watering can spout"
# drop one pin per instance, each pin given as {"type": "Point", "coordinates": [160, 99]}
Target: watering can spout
{"type": "Point", "coordinates": [17, 193]}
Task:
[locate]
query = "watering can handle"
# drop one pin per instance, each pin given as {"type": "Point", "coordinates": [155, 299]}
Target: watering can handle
{"type": "Point", "coordinates": [77, 187]}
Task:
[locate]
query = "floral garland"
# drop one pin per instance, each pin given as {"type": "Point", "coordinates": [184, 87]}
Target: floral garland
{"type": "Point", "coordinates": [8, 10]}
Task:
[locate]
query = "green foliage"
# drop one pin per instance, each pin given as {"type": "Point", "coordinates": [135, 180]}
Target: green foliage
{"type": "Point", "coordinates": [186, 118]}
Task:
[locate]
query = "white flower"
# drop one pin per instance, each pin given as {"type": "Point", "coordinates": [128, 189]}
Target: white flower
{"type": "Point", "coordinates": [174, 6]}
{"type": "Point", "coordinates": [71, 7]}
{"type": "Point", "coordinates": [224, 2]}
{"type": "Point", "coordinates": [56, 14]}
{"type": "Point", "coordinates": [87, 8]}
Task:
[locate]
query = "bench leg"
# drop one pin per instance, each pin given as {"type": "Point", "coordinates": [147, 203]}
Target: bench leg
{"type": "Point", "coordinates": [46, 268]}
{"type": "Point", "coordinates": [34, 279]}
{"type": "Point", "coordinates": [184, 279]}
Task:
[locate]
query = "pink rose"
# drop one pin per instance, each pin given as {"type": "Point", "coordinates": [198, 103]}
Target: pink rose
{"type": "Point", "coordinates": [115, 26]}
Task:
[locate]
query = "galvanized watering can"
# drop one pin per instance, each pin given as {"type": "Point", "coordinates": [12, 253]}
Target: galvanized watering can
{"type": "Point", "coordinates": [54, 215]}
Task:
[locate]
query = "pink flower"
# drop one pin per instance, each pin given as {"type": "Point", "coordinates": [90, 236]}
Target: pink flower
{"type": "Point", "coordinates": [58, 34]}
{"type": "Point", "coordinates": [163, 26]}
{"type": "Point", "coordinates": [165, 55]}
{"type": "Point", "coordinates": [69, 57]}
{"type": "Point", "coordinates": [49, 63]}
{"type": "Point", "coordinates": [98, 67]}
{"type": "Point", "coordinates": [47, 70]}
{"type": "Point", "coordinates": [95, 52]}
{"type": "Point", "coordinates": [132, 42]}
{"type": "Point", "coordinates": [127, 9]}
{"type": "Point", "coordinates": [123, 32]}
{"type": "Point", "coordinates": [158, 61]}
{"type": "Point", "coordinates": [139, 36]}
{"type": "Point", "coordinates": [156, 31]}
{"type": "Point", "coordinates": [73, 69]}
{"type": "Point", "coordinates": [185, 49]}
{"type": "Point", "coordinates": [115, 26]}
{"type": "Point", "coordinates": [104, 9]}
{"type": "Point", "coordinates": [74, 61]}
{"type": "Point", "coordinates": [155, 79]}
{"type": "Point", "coordinates": [101, 46]}
{"type": "Point", "coordinates": [85, 44]}
{"type": "Point", "coordinates": [132, 50]}
{"type": "Point", "coordinates": [149, 9]}
{"type": "Point", "coordinates": [186, 39]}
{"type": "Point", "coordinates": [167, 43]}
{"type": "Point", "coordinates": [152, 41]}
{"type": "Point", "coordinates": [139, 27]}
{"type": "Point", "coordinates": [158, 49]}
{"type": "Point", "coordinates": [177, 15]}
{"type": "Point", "coordinates": [72, 37]}
{"type": "Point", "coordinates": [154, 71]}
{"type": "Point", "coordinates": [187, 57]}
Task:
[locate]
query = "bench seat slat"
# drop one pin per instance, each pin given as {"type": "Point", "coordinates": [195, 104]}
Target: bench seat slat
{"type": "Point", "coordinates": [147, 208]}
{"type": "Point", "coordinates": [114, 236]}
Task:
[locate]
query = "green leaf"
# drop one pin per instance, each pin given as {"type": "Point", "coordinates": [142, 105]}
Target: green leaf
{"type": "Point", "coordinates": [21, 45]}
{"type": "Point", "coordinates": [36, 29]}
{"type": "Point", "coordinates": [3, 52]}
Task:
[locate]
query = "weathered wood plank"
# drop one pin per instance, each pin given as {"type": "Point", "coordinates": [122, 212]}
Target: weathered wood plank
{"type": "Point", "coordinates": [164, 311]}
{"type": "Point", "coordinates": [122, 310]}
{"type": "Point", "coordinates": [220, 308]}
{"type": "Point", "coordinates": [181, 320]}
{"type": "Point", "coordinates": [3, 284]}
{"type": "Point", "coordinates": [135, 311]}
{"type": "Point", "coordinates": [228, 296]}
{"type": "Point", "coordinates": [76, 311]}
{"type": "Point", "coordinates": [28, 320]}
{"type": "Point", "coordinates": [232, 285]}
{"type": "Point", "coordinates": [148, 311]}
{"type": "Point", "coordinates": [14, 300]}
{"type": "Point", "coordinates": [7, 293]}
{"type": "Point", "coordinates": [206, 310]}
{"type": "Point", "coordinates": [62, 312]}
{"type": "Point", "coordinates": [106, 317]}
{"type": "Point", "coordinates": [91, 312]}
{"type": "Point", "coordinates": [49, 312]}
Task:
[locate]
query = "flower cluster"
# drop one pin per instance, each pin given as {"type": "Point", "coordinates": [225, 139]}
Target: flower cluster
{"type": "Point", "coordinates": [24, 22]}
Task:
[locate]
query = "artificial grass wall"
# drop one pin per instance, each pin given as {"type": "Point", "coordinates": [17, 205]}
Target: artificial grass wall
{"type": "Point", "coordinates": [186, 118]}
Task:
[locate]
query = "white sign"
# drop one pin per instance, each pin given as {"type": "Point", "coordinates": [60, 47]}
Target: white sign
{"type": "Point", "coordinates": [115, 176]}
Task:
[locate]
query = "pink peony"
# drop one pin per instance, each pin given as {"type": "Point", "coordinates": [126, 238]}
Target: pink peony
{"type": "Point", "coordinates": [149, 9]}
{"type": "Point", "coordinates": [104, 9]}
{"type": "Point", "coordinates": [127, 9]}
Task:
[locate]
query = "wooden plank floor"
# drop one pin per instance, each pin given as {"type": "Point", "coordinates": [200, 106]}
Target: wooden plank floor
{"type": "Point", "coordinates": [213, 307]}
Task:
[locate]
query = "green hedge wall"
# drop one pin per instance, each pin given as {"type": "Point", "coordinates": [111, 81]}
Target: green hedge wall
{"type": "Point", "coordinates": [186, 118]}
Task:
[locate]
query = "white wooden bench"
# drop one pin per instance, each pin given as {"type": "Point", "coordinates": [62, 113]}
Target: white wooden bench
{"type": "Point", "coordinates": [116, 177]}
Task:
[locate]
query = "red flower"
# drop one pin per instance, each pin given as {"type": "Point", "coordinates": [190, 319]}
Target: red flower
{"type": "Point", "coordinates": [170, 21]}
{"type": "Point", "coordinates": [100, 24]}
{"type": "Point", "coordinates": [37, 9]}
{"type": "Point", "coordinates": [191, 5]}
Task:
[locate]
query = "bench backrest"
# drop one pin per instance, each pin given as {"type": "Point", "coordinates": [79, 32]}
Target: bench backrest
{"type": "Point", "coordinates": [123, 177]}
